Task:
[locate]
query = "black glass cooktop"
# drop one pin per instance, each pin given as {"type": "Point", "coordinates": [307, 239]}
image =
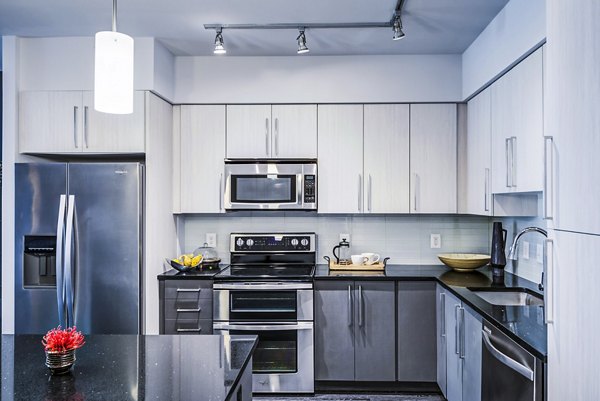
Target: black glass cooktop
{"type": "Point", "coordinates": [261, 272]}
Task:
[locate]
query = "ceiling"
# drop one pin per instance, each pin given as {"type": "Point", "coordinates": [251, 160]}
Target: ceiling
{"type": "Point", "coordinates": [431, 26]}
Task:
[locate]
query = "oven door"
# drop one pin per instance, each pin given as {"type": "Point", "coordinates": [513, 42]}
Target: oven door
{"type": "Point", "coordinates": [283, 361]}
{"type": "Point", "coordinates": [269, 186]}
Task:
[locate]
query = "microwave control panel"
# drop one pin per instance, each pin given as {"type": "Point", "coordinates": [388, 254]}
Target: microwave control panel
{"type": "Point", "coordinates": [310, 185]}
{"type": "Point", "coordinates": [273, 243]}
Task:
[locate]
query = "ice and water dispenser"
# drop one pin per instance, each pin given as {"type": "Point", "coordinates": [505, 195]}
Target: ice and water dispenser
{"type": "Point", "coordinates": [39, 261]}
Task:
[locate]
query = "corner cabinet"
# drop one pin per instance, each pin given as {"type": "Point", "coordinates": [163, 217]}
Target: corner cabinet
{"type": "Point", "coordinates": [264, 131]}
{"type": "Point", "coordinates": [354, 331]}
{"type": "Point", "coordinates": [433, 168]}
{"type": "Point", "coordinates": [65, 122]}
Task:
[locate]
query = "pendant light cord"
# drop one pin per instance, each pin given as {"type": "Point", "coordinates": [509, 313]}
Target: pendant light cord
{"type": "Point", "coordinates": [114, 16]}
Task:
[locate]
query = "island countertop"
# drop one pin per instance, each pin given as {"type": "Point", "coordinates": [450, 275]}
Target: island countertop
{"type": "Point", "coordinates": [129, 367]}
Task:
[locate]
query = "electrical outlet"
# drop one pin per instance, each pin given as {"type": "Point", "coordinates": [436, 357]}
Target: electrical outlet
{"type": "Point", "coordinates": [525, 250]}
{"type": "Point", "coordinates": [436, 241]}
{"type": "Point", "coordinates": [539, 254]}
{"type": "Point", "coordinates": [211, 239]}
{"type": "Point", "coordinates": [345, 237]}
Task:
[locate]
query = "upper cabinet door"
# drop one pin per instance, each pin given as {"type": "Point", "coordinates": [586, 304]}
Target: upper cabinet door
{"type": "Point", "coordinates": [517, 128]}
{"type": "Point", "coordinates": [433, 158]}
{"type": "Point", "coordinates": [113, 133]}
{"type": "Point", "coordinates": [249, 131]}
{"type": "Point", "coordinates": [50, 122]}
{"type": "Point", "coordinates": [478, 153]}
{"type": "Point", "coordinates": [341, 158]}
{"type": "Point", "coordinates": [202, 132]}
{"type": "Point", "coordinates": [386, 158]}
{"type": "Point", "coordinates": [294, 132]}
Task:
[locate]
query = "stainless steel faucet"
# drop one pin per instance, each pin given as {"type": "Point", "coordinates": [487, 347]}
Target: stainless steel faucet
{"type": "Point", "coordinates": [512, 253]}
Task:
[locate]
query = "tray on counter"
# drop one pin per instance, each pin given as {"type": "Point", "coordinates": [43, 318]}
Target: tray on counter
{"type": "Point", "coordinates": [379, 266]}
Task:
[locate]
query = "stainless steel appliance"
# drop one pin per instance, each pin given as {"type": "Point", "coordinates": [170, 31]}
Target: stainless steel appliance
{"type": "Point", "coordinates": [78, 236]}
{"type": "Point", "coordinates": [508, 371]}
{"type": "Point", "coordinates": [270, 185]}
{"type": "Point", "coordinates": [267, 290]}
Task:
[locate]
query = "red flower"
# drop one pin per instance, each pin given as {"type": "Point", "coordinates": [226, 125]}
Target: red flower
{"type": "Point", "coordinates": [58, 340]}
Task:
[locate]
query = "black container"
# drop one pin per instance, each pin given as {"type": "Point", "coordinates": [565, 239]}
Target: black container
{"type": "Point", "coordinates": [498, 257]}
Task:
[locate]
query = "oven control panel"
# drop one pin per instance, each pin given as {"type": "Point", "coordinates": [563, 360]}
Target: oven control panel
{"type": "Point", "coordinates": [297, 242]}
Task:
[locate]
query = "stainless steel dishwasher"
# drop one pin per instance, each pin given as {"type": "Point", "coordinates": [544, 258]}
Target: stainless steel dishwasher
{"type": "Point", "coordinates": [508, 371]}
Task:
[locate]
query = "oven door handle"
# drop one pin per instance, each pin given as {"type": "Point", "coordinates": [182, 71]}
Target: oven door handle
{"type": "Point", "coordinates": [263, 286]}
{"type": "Point", "coordinates": [261, 327]}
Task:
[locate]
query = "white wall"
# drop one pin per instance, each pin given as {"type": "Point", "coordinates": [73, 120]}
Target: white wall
{"type": "Point", "coordinates": [512, 34]}
{"type": "Point", "coordinates": [318, 79]}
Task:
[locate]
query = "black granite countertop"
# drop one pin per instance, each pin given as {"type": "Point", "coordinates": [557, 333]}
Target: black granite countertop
{"type": "Point", "coordinates": [524, 324]}
{"type": "Point", "coordinates": [203, 274]}
{"type": "Point", "coordinates": [129, 367]}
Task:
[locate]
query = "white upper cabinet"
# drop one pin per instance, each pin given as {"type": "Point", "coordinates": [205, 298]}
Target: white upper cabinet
{"type": "Point", "coordinates": [107, 133]}
{"type": "Point", "coordinates": [200, 155]}
{"type": "Point", "coordinates": [65, 122]}
{"type": "Point", "coordinates": [386, 158]}
{"type": "Point", "coordinates": [433, 151]}
{"type": "Point", "coordinates": [517, 128]}
{"type": "Point", "coordinates": [478, 157]}
{"type": "Point", "coordinates": [275, 132]}
{"type": "Point", "coordinates": [340, 158]}
{"type": "Point", "coordinates": [249, 131]}
{"type": "Point", "coordinates": [294, 131]}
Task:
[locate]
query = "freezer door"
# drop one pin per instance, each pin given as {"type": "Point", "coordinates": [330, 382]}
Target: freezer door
{"type": "Point", "coordinates": [106, 268]}
{"type": "Point", "coordinates": [38, 188]}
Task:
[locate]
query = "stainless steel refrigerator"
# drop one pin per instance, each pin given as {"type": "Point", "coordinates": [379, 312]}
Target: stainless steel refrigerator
{"type": "Point", "coordinates": [78, 247]}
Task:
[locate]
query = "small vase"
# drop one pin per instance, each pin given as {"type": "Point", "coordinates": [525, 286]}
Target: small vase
{"type": "Point", "coordinates": [60, 363]}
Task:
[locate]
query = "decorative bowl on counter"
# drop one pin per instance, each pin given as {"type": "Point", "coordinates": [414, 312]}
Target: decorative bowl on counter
{"type": "Point", "coordinates": [464, 262]}
{"type": "Point", "coordinates": [185, 263]}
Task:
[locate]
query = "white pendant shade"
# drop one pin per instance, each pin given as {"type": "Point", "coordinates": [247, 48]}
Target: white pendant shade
{"type": "Point", "coordinates": [113, 75]}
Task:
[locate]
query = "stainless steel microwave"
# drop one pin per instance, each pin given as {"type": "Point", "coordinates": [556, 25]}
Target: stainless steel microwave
{"type": "Point", "coordinates": [270, 185]}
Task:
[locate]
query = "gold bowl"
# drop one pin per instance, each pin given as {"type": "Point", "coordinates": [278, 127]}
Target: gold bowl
{"type": "Point", "coordinates": [464, 262]}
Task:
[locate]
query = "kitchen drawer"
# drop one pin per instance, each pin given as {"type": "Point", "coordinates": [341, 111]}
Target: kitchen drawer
{"type": "Point", "coordinates": [200, 308]}
{"type": "Point", "coordinates": [188, 326]}
{"type": "Point", "coordinates": [188, 289]}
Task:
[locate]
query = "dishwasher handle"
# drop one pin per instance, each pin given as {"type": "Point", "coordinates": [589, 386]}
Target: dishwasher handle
{"type": "Point", "coordinates": [505, 359]}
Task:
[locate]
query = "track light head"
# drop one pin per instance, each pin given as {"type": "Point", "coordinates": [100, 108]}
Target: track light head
{"type": "Point", "coordinates": [397, 27]}
{"type": "Point", "coordinates": [302, 48]}
{"type": "Point", "coordinates": [219, 43]}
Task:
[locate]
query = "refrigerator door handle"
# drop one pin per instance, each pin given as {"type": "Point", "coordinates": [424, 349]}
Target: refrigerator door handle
{"type": "Point", "coordinates": [60, 239]}
{"type": "Point", "coordinates": [68, 273]}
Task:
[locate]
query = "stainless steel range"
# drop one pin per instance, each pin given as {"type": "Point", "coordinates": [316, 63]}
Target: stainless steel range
{"type": "Point", "coordinates": [268, 291]}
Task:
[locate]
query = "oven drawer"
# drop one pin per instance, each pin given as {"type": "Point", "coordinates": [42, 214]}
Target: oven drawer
{"type": "Point", "coordinates": [188, 289]}
{"type": "Point", "coordinates": [200, 308]}
{"type": "Point", "coordinates": [188, 326]}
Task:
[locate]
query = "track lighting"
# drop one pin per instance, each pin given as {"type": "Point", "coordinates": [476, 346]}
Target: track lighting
{"type": "Point", "coordinates": [219, 44]}
{"type": "Point", "coordinates": [397, 27]}
{"type": "Point", "coordinates": [302, 43]}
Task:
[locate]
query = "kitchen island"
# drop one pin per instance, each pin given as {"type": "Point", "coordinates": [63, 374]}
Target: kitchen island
{"type": "Point", "coordinates": [132, 367]}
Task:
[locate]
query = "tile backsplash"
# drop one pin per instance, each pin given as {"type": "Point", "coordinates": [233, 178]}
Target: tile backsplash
{"type": "Point", "coordinates": [405, 239]}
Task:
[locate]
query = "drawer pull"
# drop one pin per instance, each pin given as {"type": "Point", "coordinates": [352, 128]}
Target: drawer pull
{"type": "Point", "coordinates": [189, 310]}
{"type": "Point", "coordinates": [198, 330]}
{"type": "Point", "coordinates": [188, 289]}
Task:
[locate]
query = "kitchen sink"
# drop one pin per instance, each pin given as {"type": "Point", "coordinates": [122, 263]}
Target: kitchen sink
{"type": "Point", "coordinates": [509, 297]}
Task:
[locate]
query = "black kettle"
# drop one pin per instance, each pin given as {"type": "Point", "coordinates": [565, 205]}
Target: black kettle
{"type": "Point", "coordinates": [498, 257]}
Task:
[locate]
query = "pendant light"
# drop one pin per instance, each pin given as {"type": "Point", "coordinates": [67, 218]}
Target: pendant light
{"type": "Point", "coordinates": [397, 27]}
{"type": "Point", "coordinates": [219, 44]}
{"type": "Point", "coordinates": [113, 73]}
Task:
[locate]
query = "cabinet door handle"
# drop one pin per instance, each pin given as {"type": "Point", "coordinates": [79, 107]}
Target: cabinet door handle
{"type": "Point", "coordinates": [189, 310]}
{"type": "Point", "coordinates": [198, 330]}
{"type": "Point", "coordinates": [267, 136]}
{"type": "Point", "coordinates": [221, 192]}
{"type": "Point", "coordinates": [75, 110]}
{"type": "Point", "coordinates": [189, 289]}
{"type": "Point", "coordinates": [486, 207]}
{"type": "Point", "coordinates": [350, 309]}
{"type": "Point", "coordinates": [462, 334]}
{"type": "Point", "coordinates": [359, 192]}
{"type": "Point", "coordinates": [416, 190]}
{"type": "Point", "coordinates": [549, 284]}
{"type": "Point", "coordinates": [513, 153]}
{"type": "Point", "coordinates": [506, 152]}
{"type": "Point", "coordinates": [370, 192]}
{"type": "Point", "coordinates": [548, 177]}
{"type": "Point", "coordinates": [443, 313]}
{"type": "Point", "coordinates": [85, 126]}
{"type": "Point", "coordinates": [360, 307]}
{"type": "Point", "coordinates": [456, 330]}
{"type": "Point", "coordinates": [276, 136]}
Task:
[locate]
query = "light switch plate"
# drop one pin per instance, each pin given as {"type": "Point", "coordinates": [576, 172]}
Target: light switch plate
{"type": "Point", "coordinates": [539, 254]}
{"type": "Point", "coordinates": [525, 250]}
{"type": "Point", "coordinates": [345, 236]}
{"type": "Point", "coordinates": [436, 241]}
{"type": "Point", "coordinates": [211, 239]}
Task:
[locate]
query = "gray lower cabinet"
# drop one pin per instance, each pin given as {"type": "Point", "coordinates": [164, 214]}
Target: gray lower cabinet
{"type": "Point", "coordinates": [441, 337]}
{"type": "Point", "coordinates": [463, 351]}
{"type": "Point", "coordinates": [417, 340]}
{"type": "Point", "coordinates": [355, 330]}
{"type": "Point", "coordinates": [186, 306]}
